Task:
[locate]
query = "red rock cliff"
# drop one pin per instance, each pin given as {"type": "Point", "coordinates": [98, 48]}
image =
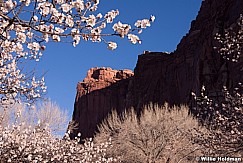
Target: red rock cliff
{"type": "Point", "coordinates": [103, 89]}
{"type": "Point", "coordinates": [160, 77]}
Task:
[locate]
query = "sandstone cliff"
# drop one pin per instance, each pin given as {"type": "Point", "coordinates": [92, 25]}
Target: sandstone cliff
{"type": "Point", "coordinates": [103, 89]}
{"type": "Point", "coordinates": [160, 77]}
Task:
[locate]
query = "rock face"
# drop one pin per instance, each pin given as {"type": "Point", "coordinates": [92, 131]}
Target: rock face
{"type": "Point", "coordinates": [160, 77]}
{"type": "Point", "coordinates": [101, 90]}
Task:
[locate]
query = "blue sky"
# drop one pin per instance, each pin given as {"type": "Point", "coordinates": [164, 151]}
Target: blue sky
{"type": "Point", "coordinates": [66, 65]}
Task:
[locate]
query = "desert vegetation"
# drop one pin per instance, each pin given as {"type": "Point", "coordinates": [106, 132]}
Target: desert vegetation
{"type": "Point", "coordinates": [29, 132]}
{"type": "Point", "coordinates": [174, 134]}
{"type": "Point", "coordinates": [32, 136]}
{"type": "Point", "coordinates": [160, 134]}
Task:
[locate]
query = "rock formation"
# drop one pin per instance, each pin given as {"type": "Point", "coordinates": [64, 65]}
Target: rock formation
{"type": "Point", "coordinates": [160, 77]}
{"type": "Point", "coordinates": [103, 89]}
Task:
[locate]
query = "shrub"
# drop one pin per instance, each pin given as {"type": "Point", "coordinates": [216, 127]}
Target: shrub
{"type": "Point", "coordinates": [160, 134]}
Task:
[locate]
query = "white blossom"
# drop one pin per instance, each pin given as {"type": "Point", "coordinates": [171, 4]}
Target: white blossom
{"type": "Point", "coordinates": [58, 30]}
{"type": "Point", "coordinates": [29, 35]}
{"type": "Point", "coordinates": [34, 46]}
{"type": "Point", "coordinates": [10, 4]}
{"type": "Point", "coordinates": [143, 23]}
{"type": "Point", "coordinates": [21, 36]}
{"type": "Point", "coordinates": [99, 16]}
{"type": "Point", "coordinates": [19, 47]}
{"type": "Point", "coordinates": [66, 7]}
{"type": "Point", "coordinates": [35, 24]}
{"type": "Point", "coordinates": [79, 4]}
{"type": "Point", "coordinates": [35, 18]}
{"type": "Point", "coordinates": [69, 21]}
{"type": "Point", "coordinates": [110, 16]}
{"type": "Point", "coordinates": [46, 37]}
{"type": "Point", "coordinates": [28, 137]}
{"type": "Point", "coordinates": [112, 45]}
{"type": "Point", "coordinates": [27, 2]}
{"type": "Point", "coordinates": [133, 38]}
{"type": "Point", "coordinates": [76, 40]}
{"type": "Point", "coordinates": [91, 20]}
{"type": "Point", "coordinates": [152, 18]}
{"type": "Point", "coordinates": [122, 29]}
{"type": "Point", "coordinates": [56, 38]}
{"type": "Point", "coordinates": [45, 10]}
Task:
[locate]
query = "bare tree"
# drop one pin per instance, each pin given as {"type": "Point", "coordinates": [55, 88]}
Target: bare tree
{"type": "Point", "coordinates": [45, 115]}
{"type": "Point", "coordinates": [161, 134]}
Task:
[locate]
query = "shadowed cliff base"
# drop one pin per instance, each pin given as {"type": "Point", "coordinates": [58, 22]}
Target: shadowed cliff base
{"type": "Point", "coordinates": [160, 77]}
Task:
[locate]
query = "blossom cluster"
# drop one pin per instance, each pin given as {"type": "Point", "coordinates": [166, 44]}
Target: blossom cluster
{"type": "Point", "coordinates": [222, 110]}
{"type": "Point", "coordinates": [223, 115]}
{"type": "Point", "coordinates": [58, 20]}
{"type": "Point", "coordinates": [231, 41]}
{"type": "Point", "coordinates": [19, 143]}
{"type": "Point", "coordinates": [26, 26]}
{"type": "Point", "coordinates": [31, 135]}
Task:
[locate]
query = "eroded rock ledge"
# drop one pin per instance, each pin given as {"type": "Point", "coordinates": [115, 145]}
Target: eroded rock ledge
{"type": "Point", "coordinates": [101, 90]}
